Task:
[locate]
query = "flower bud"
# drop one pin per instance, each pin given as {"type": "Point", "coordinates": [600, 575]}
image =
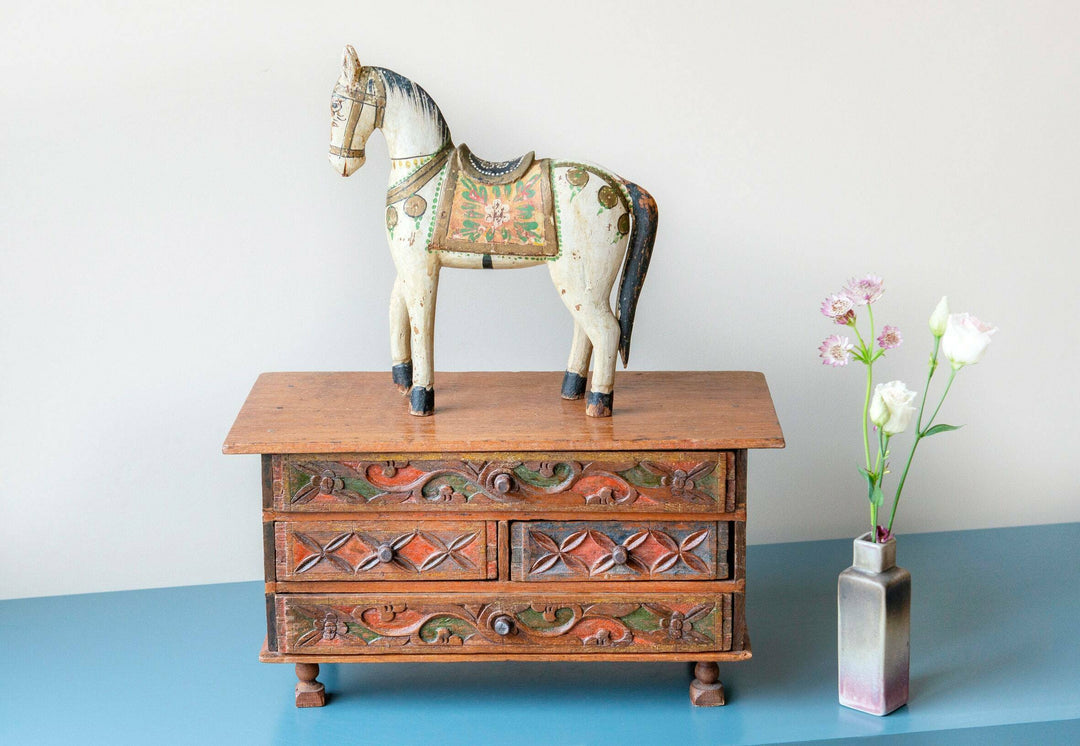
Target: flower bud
{"type": "Point", "coordinates": [940, 317]}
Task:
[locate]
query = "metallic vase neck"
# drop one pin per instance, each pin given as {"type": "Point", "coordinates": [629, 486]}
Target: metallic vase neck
{"type": "Point", "coordinates": [871, 557]}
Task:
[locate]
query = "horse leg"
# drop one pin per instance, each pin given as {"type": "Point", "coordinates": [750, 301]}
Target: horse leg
{"type": "Point", "coordinates": [421, 306]}
{"type": "Point", "coordinates": [577, 368]}
{"type": "Point", "coordinates": [603, 329]}
{"type": "Point", "coordinates": [400, 350]}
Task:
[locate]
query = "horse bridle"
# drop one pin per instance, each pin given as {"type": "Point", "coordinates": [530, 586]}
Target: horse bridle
{"type": "Point", "coordinates": [370, 91]}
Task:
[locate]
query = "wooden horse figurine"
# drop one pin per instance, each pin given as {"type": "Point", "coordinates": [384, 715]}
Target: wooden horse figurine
{"type": "Point", "coordinates": [447, 208]}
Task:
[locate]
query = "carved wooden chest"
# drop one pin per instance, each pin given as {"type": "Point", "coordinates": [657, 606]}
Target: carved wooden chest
{"type": "Point", "coordinates": [509, 526]}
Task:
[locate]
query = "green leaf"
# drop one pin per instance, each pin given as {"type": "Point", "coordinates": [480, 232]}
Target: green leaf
{"type": "Point", "coordinates": [940, 429]}
{"type": "Point", "coordinates": [877, 497]}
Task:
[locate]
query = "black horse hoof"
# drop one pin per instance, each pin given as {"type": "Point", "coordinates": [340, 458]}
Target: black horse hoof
{"type": "Point", "coordinates": [573, 386]}
{"type": "Point", "coordinates": [598, 405]}
{"type": "Point", "coordinates": [402, 373]}
{"type": "Point", "coordinates": [422, 401]}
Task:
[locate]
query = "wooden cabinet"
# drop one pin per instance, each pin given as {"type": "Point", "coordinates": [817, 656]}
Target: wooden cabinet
{"type": "Point", "coordinates": [508, 526]}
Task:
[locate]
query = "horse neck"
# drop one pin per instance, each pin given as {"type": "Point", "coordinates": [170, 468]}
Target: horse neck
{"type": "Point", "coordinates": [412, 124]}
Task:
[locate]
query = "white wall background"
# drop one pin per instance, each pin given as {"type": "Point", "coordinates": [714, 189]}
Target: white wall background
{"type": "Point", "coordinates": [169, 228]}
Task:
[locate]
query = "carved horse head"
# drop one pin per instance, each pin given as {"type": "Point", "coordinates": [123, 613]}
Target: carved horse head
{"type": "Point", "coordinates": [357, 106]}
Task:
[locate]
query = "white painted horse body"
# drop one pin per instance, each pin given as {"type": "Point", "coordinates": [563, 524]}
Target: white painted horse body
{"type": "Point", "coordinates": [592, 243]}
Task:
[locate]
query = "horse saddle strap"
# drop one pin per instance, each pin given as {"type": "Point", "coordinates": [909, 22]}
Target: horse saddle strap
{"type": "Point", "coordinates": [488, 172]}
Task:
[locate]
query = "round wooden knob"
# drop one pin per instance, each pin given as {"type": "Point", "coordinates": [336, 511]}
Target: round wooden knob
{"type": "Point", "coordinates": [503, 624]}
{"type": "Point", "coordinates": [503, 483]}
{"type": "Point", "coordinates": [385, 553]}
{"type": "Point", "coordinates": [619, 555]}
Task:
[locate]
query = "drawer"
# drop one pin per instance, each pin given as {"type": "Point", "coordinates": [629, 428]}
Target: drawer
{"type": "Point", "coordinates": [524, 482]}
{"type": "Point", "coordinates": [468, 623]}
{"type": "Point", "coordinates": [385, 550]}
{"type": "Point", "coordinates": [619, 550]}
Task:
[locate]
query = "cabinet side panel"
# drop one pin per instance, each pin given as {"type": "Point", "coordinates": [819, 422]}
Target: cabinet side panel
{"type": "Point", "coordinates": [738, 622]}
{"type": "Point", "coordinates": [267, 481]}
{"type": "Point", "coordinates": [269, 553]}
{"type": "Point", "coordinates": [740, 479]}
{"type": "Point", "coordinates": [271, 624]}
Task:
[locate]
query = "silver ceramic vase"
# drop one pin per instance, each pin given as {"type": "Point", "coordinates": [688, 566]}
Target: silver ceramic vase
{"type": "Point", "coordinates": [874, 629]}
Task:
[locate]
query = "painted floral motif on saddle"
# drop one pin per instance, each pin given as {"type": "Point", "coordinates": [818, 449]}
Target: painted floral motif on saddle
{"type": "Point", "coordinates": [501, 209]}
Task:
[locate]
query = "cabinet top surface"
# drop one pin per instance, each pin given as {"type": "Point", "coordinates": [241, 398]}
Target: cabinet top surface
{"type": "Point", "coordinates": [358, 412]}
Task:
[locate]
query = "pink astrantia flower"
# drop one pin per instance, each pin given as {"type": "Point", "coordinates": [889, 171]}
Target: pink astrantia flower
{"type": "Point", "coordinates": [889, 338]}
{"type": "Point", "coordinates": [836, 306]}
{"type": "Point", "coordinates": [864, 290]}
{"type": "Point", "coordinates": [847, 319]}
{"type": "Point", "coordinates": [836, 351]}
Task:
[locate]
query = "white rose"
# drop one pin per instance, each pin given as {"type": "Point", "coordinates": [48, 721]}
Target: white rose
{"type": "Point", "coordinates": [891, 408]}
{"type": "Point", "coordinates": [940, 317]}
{"type": "Point", "coordinates": [966, 339]}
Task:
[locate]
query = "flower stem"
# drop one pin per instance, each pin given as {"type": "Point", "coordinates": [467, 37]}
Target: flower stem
{"type": "Point", "coordinates": [926, 389]}
{"type": "Point", "coordinates": [869, 362]}
{"type": "Point", "coordinates": [948, 385]}
{"type": "Point", "coordinates": [919, 433]}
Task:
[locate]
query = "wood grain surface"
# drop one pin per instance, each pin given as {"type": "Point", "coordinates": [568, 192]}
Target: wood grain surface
{"type": "Point", "coordinates": [357, 412]}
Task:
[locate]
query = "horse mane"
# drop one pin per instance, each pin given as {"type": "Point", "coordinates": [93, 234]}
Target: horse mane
{"type": "Point", "coordinates": [417, 97]}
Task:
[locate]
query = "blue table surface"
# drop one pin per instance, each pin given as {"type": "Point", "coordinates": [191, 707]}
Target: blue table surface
{"type": "Point", "coordinates": [995, 658]}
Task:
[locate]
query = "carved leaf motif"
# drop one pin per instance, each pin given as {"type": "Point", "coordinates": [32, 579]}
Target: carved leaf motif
{"type": "Point", "coordinates": [602, 565]}
{"type": "Point", "coordinates": [544, 563]}
{"type": "Point", "coordinates": [308, 542]}
{"type": "Point", "coordinates": [340, 562]}
{"type": "Point", "coordinates": [636, 565]}
{"type": "Point", "coordinates": [694, 539]}
{"type": "Point", "coordinates": [545, 541]}
{"type": "Point", "coordinates": [698, 612]}
{"type": "Point", "coordinates": [338, 542]}
{"type": "Point", "coordinates": [405, 564]}
{"type": "Point", "coordinates": [695, 562]}
{"type": "Point", "coordinates": [665, 541]}
{"type": "Point", "coordinates": [664, 562]}
{"type": "Point", "coordinates": [309, 636]}
{"type": "Point", "coordinates": [701, 470]}
{"type": "Point", "coordinates": [433, 561]}
{"type": "Point", "coordinates": [309, 562]}
{"type": "Point", "coordinates": [602, 539]}
{"type": "Point", "coordinates": [635, 540]}
{"type": "Point", "coordinates": [575, 563]}
{"type": "Point", "coordinates": [463, 541]}
{"type": "Point", "coordinates": [401, 541]}
{"type": "Point", "coordinates": [660, 611]}
{"type": "Point", "coordinates": [368, 562]}
{"type": "Point", "coordinates": [305, 493]}
{"type": "Point", "coordinates": [573, 541]}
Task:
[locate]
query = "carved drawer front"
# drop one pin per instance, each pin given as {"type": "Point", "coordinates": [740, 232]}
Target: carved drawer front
{"type": "Point", "coordinates": [465, 623]}
{"type": "Point", "coordinates": [531, 482]}
{"type": "Point", "coordinates": [619, 550]}
{"type": "Point", "coordinates": [385, 550]}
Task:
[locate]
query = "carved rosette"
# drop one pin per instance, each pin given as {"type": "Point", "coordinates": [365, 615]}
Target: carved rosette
{"type": "Point", "coordinates": [344, 625]}
{"type": "Point", "coordinates": [622, 482]}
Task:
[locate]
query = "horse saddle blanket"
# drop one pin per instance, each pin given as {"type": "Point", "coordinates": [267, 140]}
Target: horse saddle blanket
{"type": "Point", "coordinates": [503, 209]}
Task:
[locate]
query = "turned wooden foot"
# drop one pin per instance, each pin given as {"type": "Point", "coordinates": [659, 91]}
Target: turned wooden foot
{"type": "Point", "coordinates": [706, 689]}
{"type": "Point", "coordinates": [309, 692]}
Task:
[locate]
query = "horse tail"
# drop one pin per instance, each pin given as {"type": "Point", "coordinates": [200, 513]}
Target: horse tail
{"type": "Point", "coordinates": [638, 254]}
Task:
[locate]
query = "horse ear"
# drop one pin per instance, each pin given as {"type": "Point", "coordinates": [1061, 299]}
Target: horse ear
{"type": "Point", "coordinates": [350, 64]}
